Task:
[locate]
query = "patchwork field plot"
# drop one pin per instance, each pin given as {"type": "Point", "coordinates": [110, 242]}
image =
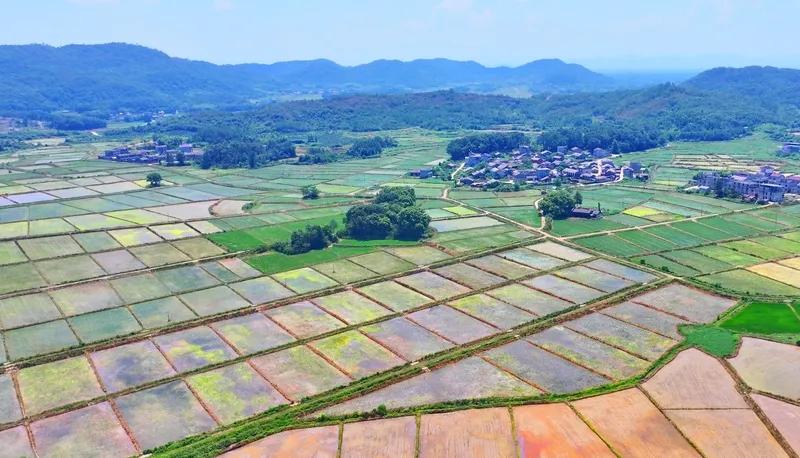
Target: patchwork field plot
{"type": "Point", "coordinates": [406, 339]}
{"type": "Point", "coordinates": [726, 431]}
{"type": "Point", "coordinates": [433, 285]}
{"type": "Point", "coordinates": [235, 392]}
{"type": "Point", "coordinates": [500, 266]}
{"type": "Point", "coordinates": [470, 276]}
{"type": "Point", "coordinates": [492, 311]}
{"type": "Point", "coordinates": [451, 324]}
{"type": "Point", "coordinates": [252, 333]}
{"type": "Point", "coordinates": [298, 372]}
{"type": "Point", "coordinates": [124, 367]}
{"type": "Point", "coordinates": [769, 367]}
{"type": "Point", "coordinates": [194, 348]}
{"type": "Point", "coordinates": [356, 354]}
{"type": "Point", "coordinates": [543, 369]}
{"type": "Point", "coordinates": [84, 432]}
{"type": "Point", "coordinates": [632, 425]}
{"type": "Point", "coordinates": [451, 382]}
{"type": "Point", "coordinates": [304, 280]}
{"type": "Point", "coordinates": [394, 295]}
{"type": "Point", "coordinates": [119, 243]}
{"type": "Point", "coordinates": [564, 289]}
{"type": "Point", "coordinates": [694, 380]}
{"type": "Point", "coordinates": [163, 414]}
{"type": "Point", "coordinates": [304, 319]}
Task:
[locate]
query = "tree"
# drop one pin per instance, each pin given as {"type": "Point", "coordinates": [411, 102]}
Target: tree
{"type": "Point", "coordinates": [153, 179]}
{"type": "Point", "coordinates": [557, 204]}
{"type": "Point", "coordinates": [412, 223]}
{"type": "Point", "coordinates": [310, 192]}
{"type": "Point", "coordinates": [403, 196]}
{"type": "Point", "coordinates": [578, 198]}
{"type": "Point", "coordinates": [370, 221]}
{"type": "Point", "coordinates": [181, 157]}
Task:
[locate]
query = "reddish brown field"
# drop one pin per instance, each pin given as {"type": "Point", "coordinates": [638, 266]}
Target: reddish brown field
{"type": "Point", "coordinates": [473, 433]}
{"type": "Point", "coordinates": [633, 426]}
{"type": "Point", "coordinates": [554, 430]}
{"type": "Point", "coordinates": [785, 417]}
{"type": "Point", "coordinates": [726, 433]}
{"type": "Point", "coordinates": [769, 366]}
{"type": "Point", "coordinates": [391, 438]}
{"type": "Point", "coordinates": [317, 442]}
{"type": "Point", "coordinates": [694, 380]}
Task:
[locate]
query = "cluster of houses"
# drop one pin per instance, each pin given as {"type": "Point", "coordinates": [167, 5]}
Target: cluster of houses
{"type": "Point", "coordinates": [525, 166]}
{"type": "Point", "coordinates": [766, 185]}
{"type": "Point", "coordinates": [789, 148]}
{"type": "Point", "coordinates": [153, 153]}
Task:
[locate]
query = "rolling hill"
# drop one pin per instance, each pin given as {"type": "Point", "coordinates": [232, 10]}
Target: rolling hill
{"type": "Point", "coordinates": [122, 77]}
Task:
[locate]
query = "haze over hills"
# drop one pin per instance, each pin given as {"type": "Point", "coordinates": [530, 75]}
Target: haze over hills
{"type": "Point", "coordinates": [118, 76]}
{"type": "Point", "coordinates": [97, 80]}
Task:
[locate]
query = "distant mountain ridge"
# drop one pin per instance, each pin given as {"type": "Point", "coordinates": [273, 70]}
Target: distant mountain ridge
{"type": "Point", "coordinates": [118, 76]}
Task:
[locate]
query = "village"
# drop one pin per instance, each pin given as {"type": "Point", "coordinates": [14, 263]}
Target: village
{"type": "Point", "coordinates": [527, 167]}
{"type": "Point", "coordinates": [153, 153]}
{"type": "Point", "coordinates": [766, 185]}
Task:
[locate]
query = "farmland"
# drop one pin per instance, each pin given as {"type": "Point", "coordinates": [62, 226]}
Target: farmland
{"type": "Point", "coordinates": [157, 315]}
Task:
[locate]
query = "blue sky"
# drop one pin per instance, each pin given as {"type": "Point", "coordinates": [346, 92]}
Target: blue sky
{"type": "Point", "coordinates": [603, 35]}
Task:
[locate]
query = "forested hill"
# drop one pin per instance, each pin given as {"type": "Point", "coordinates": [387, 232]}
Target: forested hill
{"type": "Point", "coordinates": [630, 119]}
{"type": "Point", "coordinates": [780, 85]}
{"type": "Point", "coordinates": [121, 77]}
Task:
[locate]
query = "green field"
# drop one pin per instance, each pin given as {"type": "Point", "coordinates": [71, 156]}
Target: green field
{"type": "Point", "coordinates": [765, 318]}
{"type": "Point", "coordinates": [273, 261]}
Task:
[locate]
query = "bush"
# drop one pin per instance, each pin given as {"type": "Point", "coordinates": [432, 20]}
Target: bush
{"type": "Point", "coordinates": [312, 237]}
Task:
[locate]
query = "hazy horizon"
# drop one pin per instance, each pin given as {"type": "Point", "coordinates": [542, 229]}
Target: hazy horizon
{"type": "Point", "coordinates": [682, 36]}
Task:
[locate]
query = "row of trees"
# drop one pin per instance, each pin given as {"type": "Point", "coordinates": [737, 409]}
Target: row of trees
{"type": "Point", "coordinates": [615, 137]}
{"type": "Point", "coordinates": [369, 147]}
{"type": "Point", "coordinates": [246, 153]}
{"type": "Point", "coordinates": [394, 213]}
{"type": "Point", "coordinates": [485, 143]}
{"type": "Point", "coordinates": [361, 148]}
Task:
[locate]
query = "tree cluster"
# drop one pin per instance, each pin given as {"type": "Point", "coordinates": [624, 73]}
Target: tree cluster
{"type": "Point", "coordinates": [394, 213]}
{"type": "Point", "coordinates": [615, 137]}
{"type": "Point", "coordinates": [75, 121]}
{"type": "Point", "coordinates": [246, 153]}
{"type": "Point", "coordinates": [317, 155]}
{"type": "Point", "coordinates": [559, 204]}
{"type": "Point", "coordinates": [310, 192]}
{"type": "Point", "coordinates": [485, 143]}
{"type": "Point", "coordinates": [311, 237]}
{"type": "Point", "coordinates": [369, 147]}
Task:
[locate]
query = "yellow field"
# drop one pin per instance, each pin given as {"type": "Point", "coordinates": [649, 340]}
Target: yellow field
{"type": "Point", "coordinates": [641, 211]}
{"type": "Point", "coordinates": [794, 263]}
{"type": "Point", "coordinates": [778, 272]}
